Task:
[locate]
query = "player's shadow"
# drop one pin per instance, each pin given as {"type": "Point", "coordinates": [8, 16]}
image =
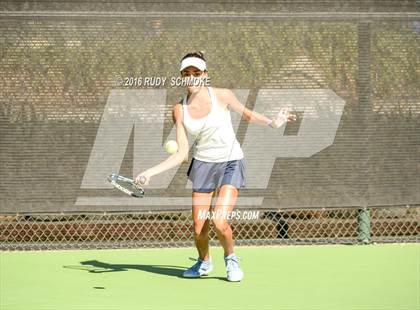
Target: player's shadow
{"type": "Point", "coordinates": [94, 266]}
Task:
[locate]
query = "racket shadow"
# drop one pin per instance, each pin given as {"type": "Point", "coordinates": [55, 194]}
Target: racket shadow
{"type": "Point", "coordinates": [94, 266]}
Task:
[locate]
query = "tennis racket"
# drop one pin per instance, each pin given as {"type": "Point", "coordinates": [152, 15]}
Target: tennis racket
{"type": "Point", "coordinates": [126, 185]}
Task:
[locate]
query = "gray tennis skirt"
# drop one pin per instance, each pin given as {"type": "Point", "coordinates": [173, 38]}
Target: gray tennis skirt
{"type": "Point", "coordinates": [207, 176]}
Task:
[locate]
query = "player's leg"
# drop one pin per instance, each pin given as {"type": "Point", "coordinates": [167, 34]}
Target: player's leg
{"type": "Point", "coordinates": [200, 207]}
{"type": "Point", "coordinates": [233, 178]}
{"type": "Point", "coordinates": [225, 203]}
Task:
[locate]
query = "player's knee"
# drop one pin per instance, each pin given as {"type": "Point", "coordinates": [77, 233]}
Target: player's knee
{"type": "Point", "coordinates": [200, 230]}
{"type": "Point", "coordinates": [220, 225]}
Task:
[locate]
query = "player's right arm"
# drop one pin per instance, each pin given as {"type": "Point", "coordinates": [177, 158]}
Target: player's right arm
{"type": "Point", "coordinates": [175, 159]}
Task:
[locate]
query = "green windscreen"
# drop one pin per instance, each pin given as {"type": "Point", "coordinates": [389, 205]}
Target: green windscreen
{"type": "Point", "coordinates": [351, 73]}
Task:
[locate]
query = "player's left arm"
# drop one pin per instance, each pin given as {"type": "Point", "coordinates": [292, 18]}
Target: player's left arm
{"type": "Point", "coordinates": [229, 99]}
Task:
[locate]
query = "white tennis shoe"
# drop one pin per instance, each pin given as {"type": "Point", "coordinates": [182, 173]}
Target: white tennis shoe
{"type": "Point", "coordinates": [234, 272]}
{"type": "Point", "coordinates": [200, 268]}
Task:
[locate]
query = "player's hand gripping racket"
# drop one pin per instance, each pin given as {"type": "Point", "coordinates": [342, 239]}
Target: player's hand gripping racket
{"type": "Point", "coordinates": [126, 185]}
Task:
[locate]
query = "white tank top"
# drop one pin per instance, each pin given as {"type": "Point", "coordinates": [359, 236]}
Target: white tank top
{"type": "Point", "coordinates": [215, 139]}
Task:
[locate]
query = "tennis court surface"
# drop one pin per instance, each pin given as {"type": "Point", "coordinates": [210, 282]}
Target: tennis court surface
{"type": "Point", "coordinates": [380, 276]}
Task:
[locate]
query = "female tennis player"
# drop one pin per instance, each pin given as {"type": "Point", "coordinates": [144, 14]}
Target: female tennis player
{"type": "Point", "coordinates": [218, 164]}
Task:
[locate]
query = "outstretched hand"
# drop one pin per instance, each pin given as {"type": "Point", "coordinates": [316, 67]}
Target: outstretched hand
{"type": "Point", "coordinates": [282, 117]}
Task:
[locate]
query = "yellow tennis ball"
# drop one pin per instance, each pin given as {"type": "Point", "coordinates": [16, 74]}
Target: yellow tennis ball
{"type": "Point", "coordinates": [171, 146]}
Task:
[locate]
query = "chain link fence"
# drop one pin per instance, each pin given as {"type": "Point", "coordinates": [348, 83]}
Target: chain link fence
{"type": "Point", "coordinates": [175, 229]}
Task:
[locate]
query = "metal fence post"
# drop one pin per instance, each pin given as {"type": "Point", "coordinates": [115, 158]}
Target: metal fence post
{"type": "Point", "coordinates": [363, 220]}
